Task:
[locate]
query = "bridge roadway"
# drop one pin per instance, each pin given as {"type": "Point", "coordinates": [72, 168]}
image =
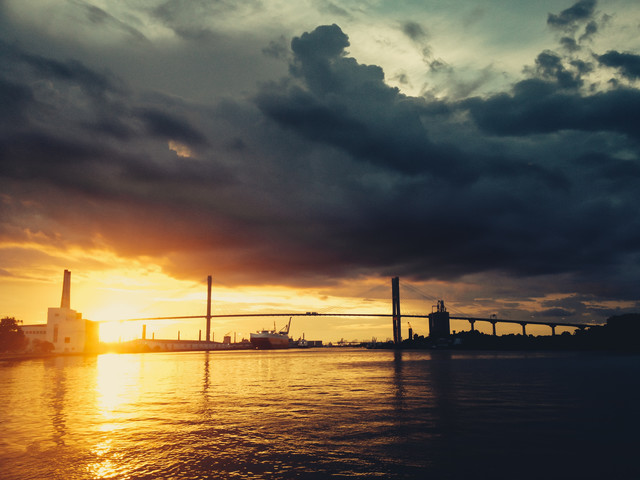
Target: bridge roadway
{"type": "Point", "coordinates": [471, 320]}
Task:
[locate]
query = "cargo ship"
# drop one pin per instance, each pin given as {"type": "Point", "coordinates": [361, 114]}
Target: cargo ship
{"type": "Point", "coordinates": [270, 339]}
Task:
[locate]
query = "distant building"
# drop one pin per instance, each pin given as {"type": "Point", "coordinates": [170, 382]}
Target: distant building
{"type": "Point", "coordinates": [35, 332]}
{"type": "Point", "coordinates": [439, 322]}
{"type": "Point", "coordinates": [65, 329]}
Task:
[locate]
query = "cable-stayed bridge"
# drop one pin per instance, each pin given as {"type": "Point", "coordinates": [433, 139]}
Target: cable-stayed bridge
{"type": "Point", "coordinates": [438, 319]}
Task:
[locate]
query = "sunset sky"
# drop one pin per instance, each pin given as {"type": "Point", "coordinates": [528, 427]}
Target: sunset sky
{"type": "Point", "coordinates": [303, 153]}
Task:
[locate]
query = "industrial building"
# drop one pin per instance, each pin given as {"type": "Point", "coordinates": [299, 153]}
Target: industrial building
{"type": "Point", "coordinates": [65, 329]}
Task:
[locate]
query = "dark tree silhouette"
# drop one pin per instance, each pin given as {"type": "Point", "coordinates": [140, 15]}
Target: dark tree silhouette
{"type": "Point", "coordinates": [12, 337]}
{"type": "Point", "coordinates": [41, 346]}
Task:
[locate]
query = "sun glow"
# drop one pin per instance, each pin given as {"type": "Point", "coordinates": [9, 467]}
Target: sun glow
{"type": "Point", "coordinates": [119, 331]}
{"type": "Point", "coordinates": [113, 290]}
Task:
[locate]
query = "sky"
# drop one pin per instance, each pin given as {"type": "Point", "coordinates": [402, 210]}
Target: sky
{"type": "Point", "coordinates": [303, 153]}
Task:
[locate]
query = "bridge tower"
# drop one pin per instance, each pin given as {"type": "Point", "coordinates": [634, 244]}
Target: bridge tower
{"type": "Point", "coordinates": [439, 322]}
{"type": "Point", "coordinates": [395, 302]}
{"type": "Point", "coordinates": [208, 334]}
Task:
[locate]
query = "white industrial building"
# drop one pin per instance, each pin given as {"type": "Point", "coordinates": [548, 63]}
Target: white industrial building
{"type": "Point", "coordinates": [65, 329]}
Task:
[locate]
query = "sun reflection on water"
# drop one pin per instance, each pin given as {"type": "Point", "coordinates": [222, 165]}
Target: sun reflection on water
{"type": "Point", "coordinates": [116, 383]}
{"type": "Point", "coordinates": [117, 391]}
{"type": "Point", "coordinates": [103, 466]}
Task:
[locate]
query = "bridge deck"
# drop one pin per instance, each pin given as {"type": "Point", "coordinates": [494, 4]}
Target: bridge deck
{"type": "Point", "coordinates": [316, 314]}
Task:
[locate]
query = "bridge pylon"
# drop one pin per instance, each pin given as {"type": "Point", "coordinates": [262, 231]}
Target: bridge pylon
{"type": "Point", "coordinates": [395, 303]}
{"type": "Point", "coordinates": [208, 333]}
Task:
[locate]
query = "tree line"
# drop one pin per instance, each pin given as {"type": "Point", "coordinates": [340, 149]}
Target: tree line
{"type": "Point", "coordinates": [13, 339]}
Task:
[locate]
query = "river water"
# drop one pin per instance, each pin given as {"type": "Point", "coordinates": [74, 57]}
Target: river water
{"type": "Point", "coordinates": [321, 414]}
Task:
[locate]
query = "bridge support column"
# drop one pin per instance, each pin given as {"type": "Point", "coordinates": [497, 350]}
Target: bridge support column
{"type": "Point", "coordinates": [553, 329]}
{"type": "Point", "coordinates": [208, 334]}
{"type": "Point", "coordinates": [493, 325]}
{"type": "Point", "coordinates": [524, 329]}
{"type": "Point", "coordinates": [473, 323]}
{"type": "Point", "coordinates": [395, 303]}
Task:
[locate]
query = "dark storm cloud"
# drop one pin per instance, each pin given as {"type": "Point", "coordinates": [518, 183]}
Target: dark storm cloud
{"type": "Point", "coordinates": [627, 63]}
{"type": "Point", "coordinates": [323, 43]}
{"type": "Point", "coordinates": [570, 44]}
{"type": "Point", "coordinates": [14, 99]}
{"type": "Point", "coordinates": [554, 312]}
{"type": "Point", "coordinates": [589, 30]}
{"type": "Point", "coordinates": [331, 173]}
{"type": "Point", "coordinates": [549, 66]}
{"type": "Point", "coordinates": [348, 106]}
{"type": "Point", "coordinates": [571, 20]}
{"type": "Point", "coordinates": [539, 106]}
{"type": "Point", "coordinates": [169, 126]}
{"type": "Point", "coordinates": [521, 213]}
{"type": "Point", "coordinates": [581, 308]}
{"type": "Point", "coordinates": [65, 122]}
{"type": "Point", "coordinates": [93, 83]}
{"type": "Point", "coordinates": [580, 11]}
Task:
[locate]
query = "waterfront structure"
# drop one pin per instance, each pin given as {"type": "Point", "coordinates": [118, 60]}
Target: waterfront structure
{"type": "Point", "coordinates": [439, 326]}
{"type": "Point", "coordinates": [35, 332]}
{"type": "Point", "coordinates": [65, 329]}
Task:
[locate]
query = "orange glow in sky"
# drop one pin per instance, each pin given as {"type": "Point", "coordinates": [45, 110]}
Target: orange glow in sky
{"type": "Point", "coordinates": [111, 289]}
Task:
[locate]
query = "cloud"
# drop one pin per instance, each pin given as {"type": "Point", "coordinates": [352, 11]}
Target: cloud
{"type": "Point", "coordinates": [197, 20]}
{"type": "Point", "coordinates": [589, 31]}
{"type": "Point", "coordinates": [348, 106]}
{"type": "Point", "coordinates": [488, 225]}
{"type": "Point", "coordinates": [570, 21]}
{"type": "Point", "coordinates": [554, 312]}
{"type": "Point", "coordinates": [323, 43]}
{"type": "Point", "coordinates": [99, 17]}
{"type": "Point", "coordinates": [419, 35]}
{"type": "Point", "coordinates": [549, 66]}
{"type": "Point", "coordinates": [578, 12]}
{"type": "Point", "coordinates": [91, 82]}
{"type": "Point", "coordinates": [277, 48]}
{"type": "Point", "coordinates": [627, 63]}
{"type": "Point", "coordinates": [538, 106]}
{"type": "Point", "coordinates": [329, 173]}
{"type": "Point", "coordinates": [165, 125]}
{"type": "Point", "coordinates": [569, 44]}
{"type": "Point", "coordinates": [414, 31]}
{"type": "Point", "coordinates": [14, 98]}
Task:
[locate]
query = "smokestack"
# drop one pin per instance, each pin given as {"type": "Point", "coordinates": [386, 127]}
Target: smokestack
{"type": "Point", "coordinates": [66, 290]}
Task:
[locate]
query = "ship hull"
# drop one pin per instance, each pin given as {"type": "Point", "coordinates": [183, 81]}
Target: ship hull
{"type": "Point", "coordinates": [269, 341]}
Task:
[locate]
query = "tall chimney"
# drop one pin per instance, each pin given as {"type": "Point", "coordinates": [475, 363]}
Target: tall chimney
{"type": "Point", "coordinates": [66, 290]}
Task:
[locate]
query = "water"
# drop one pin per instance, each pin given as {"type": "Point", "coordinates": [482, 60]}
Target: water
{"type": "Point", "coordinates": [322, 413]}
